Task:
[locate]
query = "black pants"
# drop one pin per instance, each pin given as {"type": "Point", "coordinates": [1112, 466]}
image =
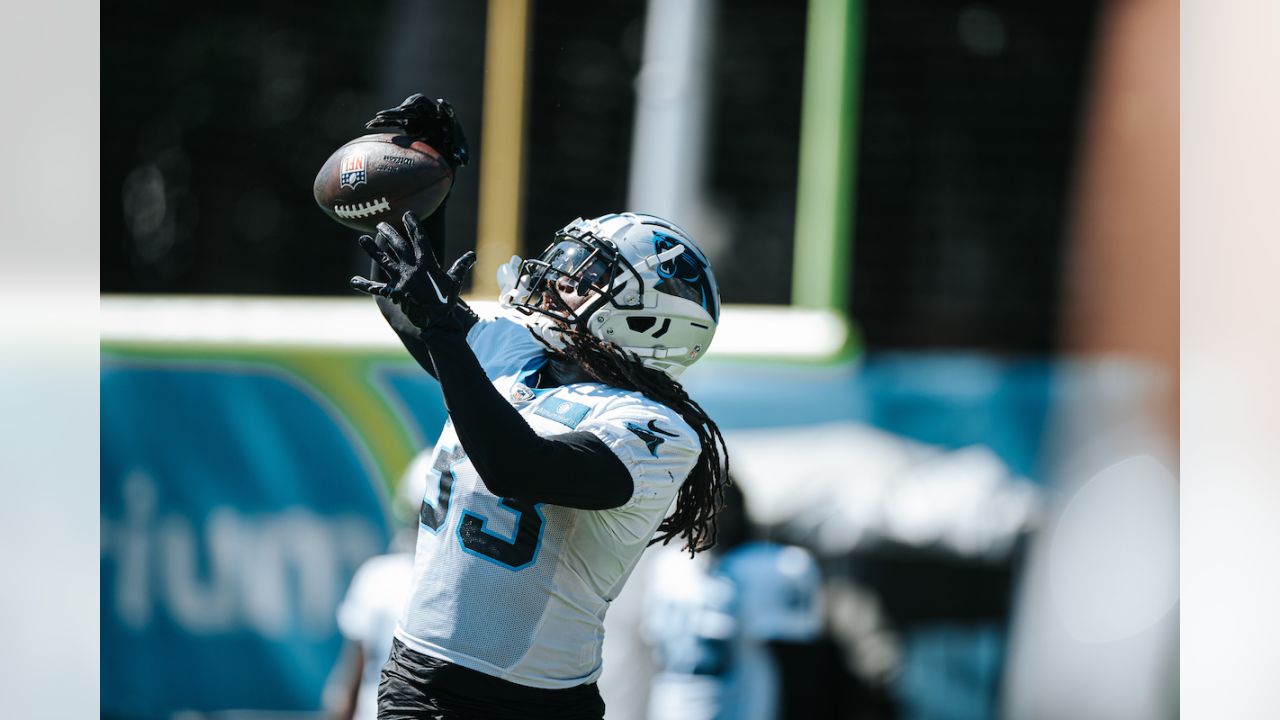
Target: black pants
{"type": "Point", "coordinates": [419, 687]}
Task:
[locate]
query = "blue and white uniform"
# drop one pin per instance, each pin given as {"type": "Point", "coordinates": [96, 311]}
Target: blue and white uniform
{"type": "Point", "coordinates": [519, 590]}
{"type": "Point", "coordinates": [711, 625]}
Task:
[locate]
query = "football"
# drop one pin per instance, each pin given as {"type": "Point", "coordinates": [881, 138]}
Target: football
{"type": "Point", "coordinates": [378, 178]}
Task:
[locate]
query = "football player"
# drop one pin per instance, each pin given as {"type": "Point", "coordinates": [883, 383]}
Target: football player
{"type": "Point", "coordinates": [373, 604]}
{"type": "Point", "coordinates": [568, 443]}
{"type": "Point", "coordinates": [738, 631]}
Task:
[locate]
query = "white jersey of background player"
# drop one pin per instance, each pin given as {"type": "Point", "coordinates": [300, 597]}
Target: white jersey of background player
{"type": "Point", "coordinates": [373, 604]}
{"type": "Point", "coordinates": [711, 621]}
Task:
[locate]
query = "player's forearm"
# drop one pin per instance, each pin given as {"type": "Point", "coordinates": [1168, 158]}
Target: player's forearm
{"type": "Point", "coordinates": [411, 337]}
{"type": "Point", "coordinates": [408, 334]}
{"type": "Point", "coordinates": [573, 470]}
{"type": "Point", "coordinates": [433, 227]}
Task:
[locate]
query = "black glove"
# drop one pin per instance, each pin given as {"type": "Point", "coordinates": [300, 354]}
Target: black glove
{"type": "Point", "coordinates": [431, 120]}
{"type": "Point", "coordinates": [427, 294]}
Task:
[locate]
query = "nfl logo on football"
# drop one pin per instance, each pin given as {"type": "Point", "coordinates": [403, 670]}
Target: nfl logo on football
{"type": "Point", "coordinates": [352, 170]}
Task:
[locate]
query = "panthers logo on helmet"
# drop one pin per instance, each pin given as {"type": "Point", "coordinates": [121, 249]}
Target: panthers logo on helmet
{"type": "Point", "coordinates": [682, 276]}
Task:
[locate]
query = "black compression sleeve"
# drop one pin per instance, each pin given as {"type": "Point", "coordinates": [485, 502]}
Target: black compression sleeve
{"type": "Point", "coordinates": [409, 334]}
{"type": "Point", "coordinates": [405, 330]}
{"type": "Point", "coordinates": [574, 469]}
{"type": "Point", "coordinates": [434, 227]}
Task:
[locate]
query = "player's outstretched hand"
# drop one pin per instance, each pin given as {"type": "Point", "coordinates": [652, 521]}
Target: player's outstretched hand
{"type": "Point", "coordinates": [426, 293]}
{"type": "Point", "coordinates": [434, 121]}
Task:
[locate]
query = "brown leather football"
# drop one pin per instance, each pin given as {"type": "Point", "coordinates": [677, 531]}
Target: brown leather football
{"type": "Point", "coordinates": [378, 178]}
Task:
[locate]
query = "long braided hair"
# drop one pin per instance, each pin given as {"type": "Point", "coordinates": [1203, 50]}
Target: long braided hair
{"type": "Point", "coordinates": [701, 495]}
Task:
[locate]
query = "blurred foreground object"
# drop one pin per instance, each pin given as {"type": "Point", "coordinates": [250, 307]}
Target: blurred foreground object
{"type": "Point", "coordinates": [1096, 631]}
{"type": "Point", "coordinates": [1121, 280]}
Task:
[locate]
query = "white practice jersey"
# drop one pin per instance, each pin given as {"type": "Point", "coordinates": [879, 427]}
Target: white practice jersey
{"type": "Point", "coordinates": [368, 615]}
{"type": "Point", "coordinates": [519, 590]}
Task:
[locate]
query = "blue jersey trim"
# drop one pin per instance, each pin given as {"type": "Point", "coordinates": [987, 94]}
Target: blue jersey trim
{"type": "Point", "coordinates": [530, 369]}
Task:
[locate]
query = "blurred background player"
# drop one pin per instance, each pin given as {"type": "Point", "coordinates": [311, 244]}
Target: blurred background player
{"type": "Point", "coordinates": [738, 631]}
{"type": "Point", "coordinates": [373, 603]}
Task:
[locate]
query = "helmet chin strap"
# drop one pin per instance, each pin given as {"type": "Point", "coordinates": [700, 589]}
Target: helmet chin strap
{"type": "Point", "coordinates": [669, 254]}
{"type": "Point", "coordinates": [546, 328]}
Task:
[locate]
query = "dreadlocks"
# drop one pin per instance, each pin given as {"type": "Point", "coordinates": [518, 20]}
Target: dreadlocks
{"type": "Point", "coordinates": [701, 495]}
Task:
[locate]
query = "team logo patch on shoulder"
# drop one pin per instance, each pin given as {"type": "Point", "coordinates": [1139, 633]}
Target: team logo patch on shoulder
{"type": "Point", "coordinates": [562, 411]}
{"type": "Point", "coordinates": [351, 171]}
{"type": "Point", "coordinates": [520, 393]}
{"type": "Point", "coordinates": [650, 434]}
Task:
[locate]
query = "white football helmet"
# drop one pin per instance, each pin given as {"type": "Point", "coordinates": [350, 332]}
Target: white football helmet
{"type": "Point", "coordinates": [648, 288]}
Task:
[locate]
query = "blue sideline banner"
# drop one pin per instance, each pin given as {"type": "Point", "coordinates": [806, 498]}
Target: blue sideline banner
{"type": "Point", "coordinates": [237, 502]}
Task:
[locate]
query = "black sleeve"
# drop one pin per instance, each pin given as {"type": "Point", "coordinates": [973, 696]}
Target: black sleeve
{"type": "Point", "coordinates": [573, 470]}
{"type": "Point", "coordinates": [408, 333]}
{"type": "Point", "coordinates": [434, 227]}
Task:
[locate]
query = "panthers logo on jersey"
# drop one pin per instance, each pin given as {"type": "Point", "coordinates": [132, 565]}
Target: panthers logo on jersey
{"type": "Point", "coordinates": [647, 434]}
